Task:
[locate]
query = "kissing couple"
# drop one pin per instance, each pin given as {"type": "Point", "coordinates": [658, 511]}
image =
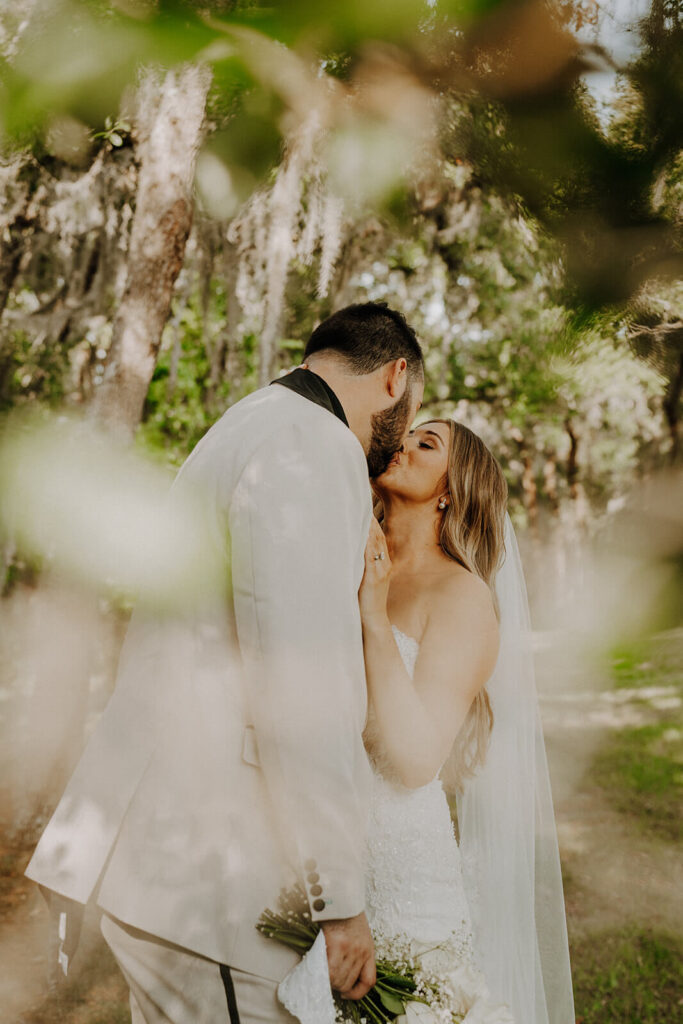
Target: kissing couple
{"type": "Point", "coordinates": [363, 664]}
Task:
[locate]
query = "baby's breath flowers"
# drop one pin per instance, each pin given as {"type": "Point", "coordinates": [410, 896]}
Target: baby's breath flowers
{"type": "Point", "coordinates": [398, 983]}
{"type": "Point", "coordinates": [418, 984]}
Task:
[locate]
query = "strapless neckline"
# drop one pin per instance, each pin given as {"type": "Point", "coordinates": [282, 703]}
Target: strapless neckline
{"type": "Point", "coordinates": [405, 636]}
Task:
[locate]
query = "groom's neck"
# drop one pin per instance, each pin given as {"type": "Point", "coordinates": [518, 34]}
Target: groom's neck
{"type": "Point", "coordinates": [355, 392]}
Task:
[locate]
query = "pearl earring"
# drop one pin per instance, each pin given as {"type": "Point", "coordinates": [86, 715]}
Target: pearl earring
{"type": "Point", "coordinates": [442, 504]}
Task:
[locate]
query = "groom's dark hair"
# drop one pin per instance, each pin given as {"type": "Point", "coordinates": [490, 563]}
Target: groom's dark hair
{"type": "Point", "coordinates": [368, 335]}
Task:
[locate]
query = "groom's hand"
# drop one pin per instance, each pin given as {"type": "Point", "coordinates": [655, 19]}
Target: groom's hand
{"type": "Point", "coordinates": [350, 956]}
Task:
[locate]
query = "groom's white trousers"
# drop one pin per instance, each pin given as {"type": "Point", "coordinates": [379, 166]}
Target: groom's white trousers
{"type": "Point", "coordinates": [171, 985]}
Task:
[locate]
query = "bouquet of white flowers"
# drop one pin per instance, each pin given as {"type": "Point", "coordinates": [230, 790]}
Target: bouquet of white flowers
{"type": "Point", "coordinates": [426, 986]}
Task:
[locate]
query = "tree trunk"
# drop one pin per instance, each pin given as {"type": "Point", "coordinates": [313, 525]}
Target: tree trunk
{"type": "Point", "coordinates": [576, 490]}
{"type": "Point", "coordinates": [176, 352]}
{"type": "Point", "coordinates": [550, 484]}
{"type": "Point", "coordinates": [171, 118]}
{"type": "Point", "coordinates": [572, 458]}
{"type": "Point", "coordinates": [11, 257]}
{"type": "Point", "coordinates": [210, 247]}
{"type": "Point", "coordinates": [530, 492]}
{"type": "Point", "coordinates": [232, 361]}
{"type": "Point", "coordinates": [18, 181]}
{"type": "Point", "coordinates": [672, 406]}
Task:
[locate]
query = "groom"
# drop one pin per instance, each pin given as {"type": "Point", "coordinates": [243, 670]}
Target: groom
{"type": "Point", "coordinates": [229, 761]}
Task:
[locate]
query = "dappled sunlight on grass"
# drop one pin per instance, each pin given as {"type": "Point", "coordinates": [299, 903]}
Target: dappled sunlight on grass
{"type": "Point", "coordinates": [628, 976]}
{"type": "Point", "coordinates": [662, 656]}
{"type": "Point", "coordinates": [640, 766]}
{"type": "Point", "coordinates": [641, 770]}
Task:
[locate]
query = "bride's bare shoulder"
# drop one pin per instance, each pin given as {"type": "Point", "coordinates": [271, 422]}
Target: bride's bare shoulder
{"type": "Point", "coordinates": [458, 587]}
{"type": "Point", "coordinates": [461, 615]}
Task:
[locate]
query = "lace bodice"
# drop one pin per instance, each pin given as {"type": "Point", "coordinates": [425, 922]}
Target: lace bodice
{"type": "Point", "coordinates": [408, 648]}
{"type": "Point", "coordinates": [414, 879]}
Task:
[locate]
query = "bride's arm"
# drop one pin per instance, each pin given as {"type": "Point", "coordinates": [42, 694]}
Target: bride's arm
{"type": "Point", "coordinates": [418, 719]}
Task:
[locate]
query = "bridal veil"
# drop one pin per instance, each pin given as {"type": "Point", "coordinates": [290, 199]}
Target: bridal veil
{"type": "Point", "coordinates": [508, 838]}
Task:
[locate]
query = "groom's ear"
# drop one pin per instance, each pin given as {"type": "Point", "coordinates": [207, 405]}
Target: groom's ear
{"type": "Point", "coordinates": [397, 377]}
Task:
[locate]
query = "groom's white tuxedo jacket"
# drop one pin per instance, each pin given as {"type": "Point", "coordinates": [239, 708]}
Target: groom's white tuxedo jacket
{"type": "Point", "coordinates": [229, 759]}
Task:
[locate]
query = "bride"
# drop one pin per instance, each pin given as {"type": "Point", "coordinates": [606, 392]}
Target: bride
{"type": "Point", "coordinates": [453, 707]}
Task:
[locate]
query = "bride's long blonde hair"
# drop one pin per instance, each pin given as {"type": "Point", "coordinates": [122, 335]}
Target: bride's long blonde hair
{"type": "Point", "coordinates": [472, 533]}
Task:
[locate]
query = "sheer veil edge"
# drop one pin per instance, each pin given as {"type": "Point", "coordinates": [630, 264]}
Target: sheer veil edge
{"type": "Point", "coordinates": [508, 838]}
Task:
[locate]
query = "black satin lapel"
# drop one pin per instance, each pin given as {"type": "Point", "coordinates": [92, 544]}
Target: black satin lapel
{"type": "Point", "coordinates": [309, 385]}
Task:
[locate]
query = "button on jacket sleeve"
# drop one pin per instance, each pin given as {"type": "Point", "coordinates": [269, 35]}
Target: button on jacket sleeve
{"type": "Point", "coordinates": [299, 520]}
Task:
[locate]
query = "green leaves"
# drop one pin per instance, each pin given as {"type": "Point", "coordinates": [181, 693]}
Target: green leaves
{"type": "Point", "coordinates": [77, 58]}
{"type": "Point", "coordinates": [114, 131]}
{"type": "Point", "coordinates": [390, 1001]}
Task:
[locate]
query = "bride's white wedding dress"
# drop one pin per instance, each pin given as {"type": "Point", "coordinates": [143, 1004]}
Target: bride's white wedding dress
{"type": "Point", "coordinates": [415, 894]}
{"type": "Point", "coordinates": [414, 884]}
{"type": "Point", "coordinates": [417, 890]}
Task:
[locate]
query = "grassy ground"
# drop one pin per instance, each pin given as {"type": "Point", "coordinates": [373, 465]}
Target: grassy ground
{"type": "Point", "coordinates": [654, 662]}
{"type": "Point", "coordinates": [628, 975]}
{"type": "Point", "coordinates": [641, 769]}
{"type": "Point", "coordinates": [631, 972]}
{"type": "Point", "coordinates": [642, 772]}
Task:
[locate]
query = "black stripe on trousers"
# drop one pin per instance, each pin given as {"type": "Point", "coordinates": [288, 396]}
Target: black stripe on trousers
{"type": "Point", "coordinates": [230, 994]}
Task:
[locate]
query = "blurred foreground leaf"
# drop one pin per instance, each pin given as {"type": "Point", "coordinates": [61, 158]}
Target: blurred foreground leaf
{"type": "Point", "coordinates": [103, 515]}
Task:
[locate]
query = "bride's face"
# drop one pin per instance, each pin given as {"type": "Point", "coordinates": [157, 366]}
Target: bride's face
{"type": "Point", "coordinates": [418, 470]}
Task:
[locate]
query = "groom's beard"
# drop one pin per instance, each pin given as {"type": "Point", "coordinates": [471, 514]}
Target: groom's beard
{"type": "Point", "coordinates": [388, 430]}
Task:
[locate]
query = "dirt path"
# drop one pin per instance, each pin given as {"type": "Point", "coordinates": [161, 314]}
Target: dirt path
{"type": "Point", "coordinates": [23, 952]}
{"type": "Point", "coordinates": [614, 874]}
{"type": "Point", "coordinates": [22, 929]}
